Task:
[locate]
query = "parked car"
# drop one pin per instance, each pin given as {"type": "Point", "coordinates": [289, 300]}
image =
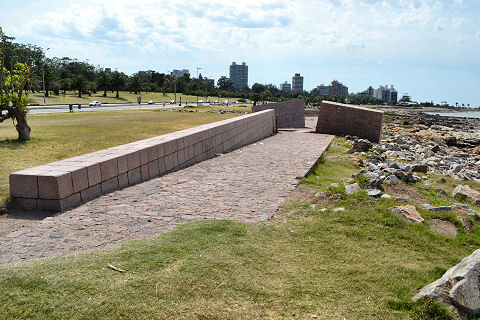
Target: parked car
{"type": "Point", "coordinates": [200, 101]}
{"type": "Point", "coordinates": [151, 102]}
{"type": "Point", "coordinates": [208, 101]}
{"type": "Point", "coordinates": [94, 104]}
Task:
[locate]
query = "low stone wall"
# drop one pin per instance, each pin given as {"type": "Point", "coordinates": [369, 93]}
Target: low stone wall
{"type": "Point", "coordinates": [65, 184]}
{"type": "Point", "coordinates": [341, 119]}
{"type": "Point", "coordinates": [290, 114]}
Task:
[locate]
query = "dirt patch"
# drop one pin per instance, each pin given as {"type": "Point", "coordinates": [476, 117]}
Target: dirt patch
{"type": "Point", "coordinates": [443, 227]}
{"type": "Point", "coordinates": [403, 190]}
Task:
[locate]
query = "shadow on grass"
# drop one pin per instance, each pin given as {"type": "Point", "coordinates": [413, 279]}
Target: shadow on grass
{"type": "Point", "coordinates": [15, 143]}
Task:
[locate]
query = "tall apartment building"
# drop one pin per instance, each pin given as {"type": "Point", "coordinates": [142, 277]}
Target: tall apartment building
{"type": "Point", "coordinates": [179, 73]}
{"type": "Point", "coordinates": [336, 88]}
{"type": "Point", "coordinates": [386, 94]}
{"type": "Point", "coordinates": [297, 83]}
{"type": "Point", "coordinates": [285, 86]}
{"type": "Point", "coordinates": [239, 75]}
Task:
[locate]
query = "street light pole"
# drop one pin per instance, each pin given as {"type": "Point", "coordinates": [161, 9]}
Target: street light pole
{"type": "Point", "coordinates": [198, 81]}
{"type": "Point", "coordinates": [43, 80]}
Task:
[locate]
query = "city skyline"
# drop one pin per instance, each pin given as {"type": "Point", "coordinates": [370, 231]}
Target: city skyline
{"type": "Point", "coordinates": [427, 48]}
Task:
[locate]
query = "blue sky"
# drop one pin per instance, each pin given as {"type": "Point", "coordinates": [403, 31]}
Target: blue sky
{"type": "Point", "coordinates": [428, 49]}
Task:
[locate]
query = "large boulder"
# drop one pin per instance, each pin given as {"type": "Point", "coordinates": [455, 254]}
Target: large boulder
{"type": "Point", "coordinates": [464, 191]}
{"type": "Point", "coordinates": [459, 287]}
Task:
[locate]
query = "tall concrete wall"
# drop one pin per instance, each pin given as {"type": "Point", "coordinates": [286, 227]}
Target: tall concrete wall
{"type": "Point", "coordinates": [65, 184]}
{"type": "Point", "coordinates": [290, 114]}
{"type": "Point", "coordinates": [340, 119]}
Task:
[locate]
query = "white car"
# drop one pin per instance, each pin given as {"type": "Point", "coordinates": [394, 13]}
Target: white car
{"type": "Point", "coordinates": [94, 104]}
{"type": "Point", "coordinates": [151, 102]}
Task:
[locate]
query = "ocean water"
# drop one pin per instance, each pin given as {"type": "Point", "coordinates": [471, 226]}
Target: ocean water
{"type": "Point", "coordinates": [465, 114]}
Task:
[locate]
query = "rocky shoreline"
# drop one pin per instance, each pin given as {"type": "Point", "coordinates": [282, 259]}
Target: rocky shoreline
{"type": "Point", "coordinates": [447, 145]}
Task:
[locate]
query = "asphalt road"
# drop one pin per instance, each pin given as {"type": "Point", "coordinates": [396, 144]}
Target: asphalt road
{"type": "Point", "coordinates": [109, 107]}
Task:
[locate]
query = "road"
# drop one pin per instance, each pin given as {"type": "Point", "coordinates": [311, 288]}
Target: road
{"type": "Point", "coordinates": [107, 107]}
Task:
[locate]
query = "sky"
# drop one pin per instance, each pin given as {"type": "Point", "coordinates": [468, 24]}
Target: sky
{"type": "Point", "coordinates": [429, 49]}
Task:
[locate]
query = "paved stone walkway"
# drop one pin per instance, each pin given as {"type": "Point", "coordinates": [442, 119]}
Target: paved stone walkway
{"type": "Point", "coordinates": [246, 185]}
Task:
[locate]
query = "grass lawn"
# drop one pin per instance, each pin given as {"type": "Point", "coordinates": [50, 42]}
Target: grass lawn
{"type": "Point", "coordinates": [125, 96]}
{"type": "Point", "coordinates": [361, 263]}
{"type": "Point", "coordinates": [64, 135]}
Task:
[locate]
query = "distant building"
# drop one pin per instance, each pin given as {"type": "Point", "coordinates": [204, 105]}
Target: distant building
{"type": "Point", "coordinates": [239, 75]}
{"type": "Point", "coordinates": [297, 83]}
{"type": "Point", "coordinates": [336, 88]}
{"type": "Point", "coordinates": [285, 86]}
{"type": "Point", "coordinates": [179, 73]}
{"type": "Point", "coordinates": [210, 82]}
{"type": "Point", "coordinates": [386, 94]}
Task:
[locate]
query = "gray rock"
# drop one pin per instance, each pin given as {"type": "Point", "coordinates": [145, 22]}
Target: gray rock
{"type": "Point", "coordinates": [431, 208]}
{"type": "Point", "coordinates": [375, 193]}
{"type": "Point", "coordinates": [456, 168]}
{"type": "Point", "coordinates": [361, 145]}
{"type": "Point", "coordinates": [337, 197]}
{"type": "Point", "coordinates": [459, 287]}
{"type": "Point", "coordinates": [404, 166]}
{"type": "Point", "coordinates": [334, 185]}
{"type": "Point", "coordinates": [373, 167]}
{"type": "Point", "coordinates": [420, 168]}
{"type": "Point", "coordinates": [392, 180]}
{"type": "Point", "coordinates": [401, 200]}
{"type": "Point", "coordinates": [352, 188]}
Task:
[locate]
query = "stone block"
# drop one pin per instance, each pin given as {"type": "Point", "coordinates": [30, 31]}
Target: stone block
{"type": "Point", "coordinates": [122, 164]}
{"type": "Point", "coordinates": [109, 185]}
{"type": "Point", "coordinates": [80, 180]}
{"type": "Point", "coordinates": [55, 187]}
{"type": "Point", "coordinates": [168, 162]}
{"type": "Point", "coordinates": [152, 153]}
{"type": "Point", "coordinates": [49, 205]}
{"type": "Point", "coordinates": [133, 160]}
{"type": "Point", "coordinates": [29, 204]}
{"type": "Point", "coordinates": [161, 150]}
{"type": "Point", "coordinates": [161, 166]}
{"type": "Point", "coordinates": [143, 156]}
{"type": "Point", "coordinates": [134, 176]}
{"type": "Point", "coordinates": [23, 185]}
{"type": "Point", "coordinates": [144, 172]}
{"type": "Point", "coordinates": [94, 175]}
{"type": "Point", "coordinates": [109, 169]}
{"type": "Point", "coordinates": [153, 169]}
{"type": "Point", "coordinates": [123, 180]}
{"type": "Point", "coordinates": [70, 201]}
{"type": "Point", "coordinates": [91, 193]}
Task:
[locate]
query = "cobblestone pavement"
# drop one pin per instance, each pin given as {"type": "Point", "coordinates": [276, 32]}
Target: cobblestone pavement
{"type": "Point", "coordinates": [246, 185]}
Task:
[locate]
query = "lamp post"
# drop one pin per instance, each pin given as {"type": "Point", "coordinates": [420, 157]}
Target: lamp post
{"type": "Point", "coordinates": [196, 91]}
{"type": "Point", "coordinates": [43, 80]}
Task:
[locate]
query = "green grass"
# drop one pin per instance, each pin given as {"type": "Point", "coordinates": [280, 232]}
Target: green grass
{"type": "Point", "coordinates": [64, 135]}
{"type": "Point", "coordinates": [361, 263]}
{"type": "Point", "coordinates": [125, 96]}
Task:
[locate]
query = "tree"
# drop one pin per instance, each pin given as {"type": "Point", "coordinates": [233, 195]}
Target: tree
{"type": "Point", "coordinates": [103, 82]}
{"type": "Point", "coordinates": [135, 83]}
{"type": "Point", "coordinates": [79, 83]}
{"type": "Point", "coordinates": [225, 83]}
{"type": "Point", "coordinates": [265, 95]}
{"type": "Point", "coordinates": [12, 99]}
{"type": "Point", "coordinates": [118, 80]}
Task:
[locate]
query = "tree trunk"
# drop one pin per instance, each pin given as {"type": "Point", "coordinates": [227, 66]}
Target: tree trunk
{"type": "Point", "coordinates": [23, 128]}
{"type": "Point", "coordinates": [105, 93]}
{"type": "Point", "coordinates": [118, 95]}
